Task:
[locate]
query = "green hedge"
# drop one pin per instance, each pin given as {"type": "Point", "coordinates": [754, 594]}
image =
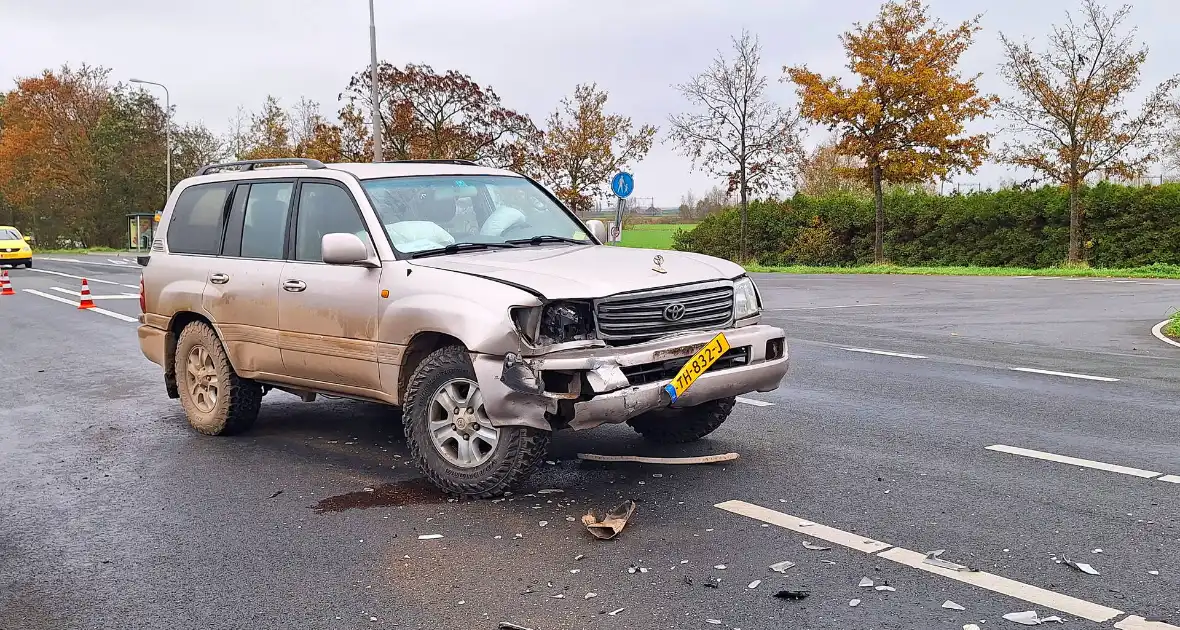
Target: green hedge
{"type": "Point", "coordinates": [1125, 227]}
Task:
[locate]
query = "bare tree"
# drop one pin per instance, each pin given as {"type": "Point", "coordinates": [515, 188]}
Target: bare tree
{"type": "Point", "coordinates": [305, 117]}
{"type": "Point", "coordinates": [1070, 106]}
{"type": "Point", "coordinates": [238, 140]}
{"type": "Point", "coordinates": [734, 130]}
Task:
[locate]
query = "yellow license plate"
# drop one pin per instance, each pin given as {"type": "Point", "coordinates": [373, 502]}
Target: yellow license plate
{"type": "Point", "coordinates": [17, 255]}
{"type": "Point", "coordinates": [697, 365]}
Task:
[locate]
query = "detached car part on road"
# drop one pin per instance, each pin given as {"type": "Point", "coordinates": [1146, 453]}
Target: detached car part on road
{"type": "Point", "coordinates": [470, 297]}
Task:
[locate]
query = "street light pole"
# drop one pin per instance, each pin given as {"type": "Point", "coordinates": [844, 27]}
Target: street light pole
{"type": "Point", "coordinates": [167, 136]}
{"type": "Point", "coordinates": [377, 149]}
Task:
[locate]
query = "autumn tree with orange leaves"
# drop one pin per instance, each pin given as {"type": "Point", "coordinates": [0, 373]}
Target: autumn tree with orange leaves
{"type": "Point", "coordinates": [1069, 107]}
{"type": "Point", "coordinates": [905, 117]}
{"type": "Point", "coordinates": [583, 146]}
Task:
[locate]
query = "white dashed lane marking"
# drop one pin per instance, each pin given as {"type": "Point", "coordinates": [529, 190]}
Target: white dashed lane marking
{"type": "Point", "coordinates": [989, 581]}
{"type": "Point", "coordinates": [95, 280]}
{"type": "Point", "coordinates": [78, 294]}
{"type": "Point", "coordinates": [886, 353]}
{"type": "Point", "coordinates": [1084, 463]}
{"type": "Point", "coordinates": [820, 308]}
{"type": "Point", "coordinates": [1087, 377]}
{"type": "Point", "coordinates": [100, 311]}
{"type": "Point", "coordinates": [756, 403]}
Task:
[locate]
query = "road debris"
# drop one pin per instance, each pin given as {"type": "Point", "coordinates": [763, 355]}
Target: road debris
{"type": "Point", "coordinates": [1030, 618]}
{"type": "Point", "coordinates": [713, 583]}
{"type": "Point", "coordinates": [1153, 572]}
{"type": "Point", "coordinates": [430, 536]}
{"type": "Point", "coordinates": [504, 625]}
{"type": "Point", "coordinates": [792, 595]}
{"type": "Point", "coordinates": [806, 523]}
{"type": "Point", "coordinates": [543, 523]}
{"type": "Point", "coordinates": [276, 493]}
{"type": "Point", "coordinates": [720, 567]}
{"type": "Point", "coordinates": [952, 606]}
{"type": "Point", "coordinates": [781, 567]}
{"type": "Point", "coordinates": [854, 603]}
{"type": "Point", "coordinates": [558, 596]}
{"type": "Point", "coordinates": [970, 626]}
{"type": "Point", "coordinates": [590, 595]}
{"type": "Point", "coordinates": [715, 622]}
{"type": "Point", "coordinates": [814, 547]}
{"type": "Point", "coordinates": [518, 537]}
{"type": "Point", "coordinates": [886, 588]}
{"type": "Point", "coordinates": [609, 525]}
{"type": "Point", "coordinates": [550, 491]}
{"type": "Point", "coordinates": [704, 459]}
{"type": "Point", "coordinates": [932, 558]}
{"type": "Point", "coordinates": [616, 611]}
{"type": "Point", "coordinates": [865, 582]}
{"type": "Point", "coordinates": [1096, 551]}
{"type": "Point", "coordinates": [579, 556]}
{"type": "Point", "coordinates": [754, 584]}
{"type": "Point", "coordinates": [1081, 566]}
{"type": "Point", "coordinates": [575, 570]}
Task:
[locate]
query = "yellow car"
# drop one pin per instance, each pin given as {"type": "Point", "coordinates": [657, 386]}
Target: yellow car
{"type": "Point", "coordinates": [14, 248]}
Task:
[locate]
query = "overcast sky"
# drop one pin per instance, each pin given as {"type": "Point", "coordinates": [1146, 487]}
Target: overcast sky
{"type": "Point", "coordinates": [217, 54]}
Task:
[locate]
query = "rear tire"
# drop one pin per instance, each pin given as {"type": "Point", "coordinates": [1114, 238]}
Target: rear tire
{"type": "Point", "coordinates": [685, 424]}
{"type": "Point", "coordinates": [216, 400]}
{"type": "Point", "coordinates": [453, 441]}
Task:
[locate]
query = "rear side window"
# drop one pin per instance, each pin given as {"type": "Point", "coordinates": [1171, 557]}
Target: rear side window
{"type": "Point", "coordinates": [264, 231]}
{"type": "Point", "coordinates": [197, 220]}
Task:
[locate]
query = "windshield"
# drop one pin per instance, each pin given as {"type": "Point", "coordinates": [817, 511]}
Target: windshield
{"type": "Point", "coordinates": [429, 213]}
{"type": "Point", "coordinates": [9, 235]}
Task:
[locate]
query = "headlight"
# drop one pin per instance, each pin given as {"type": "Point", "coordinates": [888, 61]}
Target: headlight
{"type": "Point", "coordinates": [560, 322]}
{"type": "Point", "coordinates": [745, 299]}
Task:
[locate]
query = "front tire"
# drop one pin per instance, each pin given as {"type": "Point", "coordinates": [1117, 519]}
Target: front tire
{"type": "Point", "coordinates": [29, 265]}
{"type": "Point", "coordinates": [216, 400]}
{"type": "Point", "coordinates": [685, 424]}
{"type": "Point", "coordinates": [451, 437]}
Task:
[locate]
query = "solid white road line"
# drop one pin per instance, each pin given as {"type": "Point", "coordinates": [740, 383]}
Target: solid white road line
{"type": "Point", "coordinates": [1170, 478]}
{"type": "Point", "coordinates": [1139, 623]}
{"type": "Point", "coordinates": [1019, 590]}
{"type": "Point", "coordinates": [101, 311]}
{"type": "Point", "coordinates": [796, 524]}
{"type": "Point", "coordinates": [1105, 379]}
{"type": "Point", "coordinates": [747, 401]}
{"type": "Point", "coordinates": [82, 262]}
{"type": "Point", "coordinates": [888, 354]}
{"type": "Point", "coordinates": [1004, 586]}
{"type": "Point", "coordinates": [78, 294]}
{"type": "Point", "coordinates": [1158, 332]}
{"type": "Point", "coordinates": [1074, 461]}
{"type": "Point", "coordinates": [819, 308]}
{"type": "Point", "coordinates": [96, 280]}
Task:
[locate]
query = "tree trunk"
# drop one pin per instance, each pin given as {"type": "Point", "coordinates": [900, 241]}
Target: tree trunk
{"type": "Point", "coordinates": [1075, 222]}
{"type": "Point", "coordinates": [745, 202]}
{"type": "Point", "coordinates": [879, 204]}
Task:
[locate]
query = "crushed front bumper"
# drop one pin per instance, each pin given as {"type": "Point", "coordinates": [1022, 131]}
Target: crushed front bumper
{"type": "Point", "coordinates": [588, 387]}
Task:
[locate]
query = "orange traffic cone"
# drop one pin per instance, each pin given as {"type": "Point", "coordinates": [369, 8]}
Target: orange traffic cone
{"type": "Point", "coordinates": [86, 302]}
{"type": "Point", "coordinates": [6, 284]}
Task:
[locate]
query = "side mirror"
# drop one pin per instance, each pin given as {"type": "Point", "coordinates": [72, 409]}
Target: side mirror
{"type": "Point", "coordinates": [343, 248]}
{"type": "Point", "coordinates": [598, 230]}
{"type": "Point", "coordinates": [28, 239]}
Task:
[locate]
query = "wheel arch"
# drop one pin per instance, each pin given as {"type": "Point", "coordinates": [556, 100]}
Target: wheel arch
{"type": "Point", "coordinates": [171, 338]}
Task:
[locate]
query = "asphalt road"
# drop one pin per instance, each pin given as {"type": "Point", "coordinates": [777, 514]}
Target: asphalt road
{"type": "Point", "coordinates": [114, 514]}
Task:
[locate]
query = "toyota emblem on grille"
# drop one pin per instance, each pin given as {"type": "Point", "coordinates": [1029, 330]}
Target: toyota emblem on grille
{"type": "Point", "coordinates": [674, 312]}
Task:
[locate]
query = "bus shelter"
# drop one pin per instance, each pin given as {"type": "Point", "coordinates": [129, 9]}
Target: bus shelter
{"type": "Point", "coordinates": [141, 229]}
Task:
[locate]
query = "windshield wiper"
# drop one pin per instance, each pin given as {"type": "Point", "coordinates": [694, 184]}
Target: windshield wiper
{"type": "Point", "coordinates": [546, 238]}
{"type": "Point", "coordinates": [455, 248]}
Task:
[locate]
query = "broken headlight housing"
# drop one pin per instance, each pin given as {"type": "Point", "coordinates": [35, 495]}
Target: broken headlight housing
{"type": "Point", "coordinates": [557, 322]}
{"type": "Point", "coordinates": [745, 299]}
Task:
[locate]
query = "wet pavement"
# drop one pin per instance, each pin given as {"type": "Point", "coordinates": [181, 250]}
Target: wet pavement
{"type": "Point", "coordinates": [114, 514]}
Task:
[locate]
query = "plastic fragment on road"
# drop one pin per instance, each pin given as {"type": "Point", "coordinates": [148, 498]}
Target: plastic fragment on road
{"type": "Point", "coordinates": [933, 558]}
{"type": "Point", "coordinates": [1153, 572]}
{"type": "Point", "coordinates": [781, 567]}
{"type": "Point", "coordinates": [970, 626]}
{"type": "Point", "coordinates": [430, 536]}
{"type": "Point", "coordinates": [865, 582]}
{"type": "Point", "coordinates": [948, 604]}
{"type": "Point", "coordinates": [616, 611]}
{"type": "Point", "coordinates": [276, 493]}
{"type": "Point", "coordinates": [1081, 566]}
{"type": "Point", "coordinates": [504, 625]}
{"type": "Point", "coordinates": [806, 523]}
{"type": "Point", "coordinates": [590, 595]}
{"type": "Point", "coordinates": [720, 567]}
{"type": "Point", "coordinates": [854, 603]}
{"type": "Point", "coordinates": [885, 588]}
{"type": "Point", "coordinates": [814, 547]}
{"type": "Point", "coordinates": [609, 525]}
{"type": "Point", "coordinates": [754, 584]}
{"type": "Point", "coordinates": [792, 595]}
{"type": "Point", "coordinates": [639, 459]}
{"type": "Point", "coordinates": [579, 556]}
{"type": "Point", "coordinates": [558, 596]}
{"type": "Point", "coordinates": [715, 622]}
{"type": "Point", "coordinates": [1030, 618]}
{"type": "Point", "coordinates": [543, 523]}
{"type": "Point", "coordinates": [550, 491]}
{"type": "Point", "coordinates": [1096, 551]}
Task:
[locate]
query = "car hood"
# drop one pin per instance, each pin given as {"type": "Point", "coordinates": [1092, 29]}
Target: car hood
{"type": "Point", "coordinates": [12, 244]}
{"type": "Point", "coordinates": [560, 272]}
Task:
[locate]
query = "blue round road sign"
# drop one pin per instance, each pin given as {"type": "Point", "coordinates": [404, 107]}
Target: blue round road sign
{"type": "Point", "coordinates": [622, 185]}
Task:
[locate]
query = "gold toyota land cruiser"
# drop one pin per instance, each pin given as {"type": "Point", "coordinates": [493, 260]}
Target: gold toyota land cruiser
{"type": "Point", "coordinates": [469, 297]}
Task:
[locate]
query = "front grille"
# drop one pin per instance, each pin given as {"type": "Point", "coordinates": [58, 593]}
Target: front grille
{"type": "Point", "coordinates": [666, 370]}
{"type": "Point", "coordinates": [10, 250]}
{"type": "Point", "coordinates": [636, 317]}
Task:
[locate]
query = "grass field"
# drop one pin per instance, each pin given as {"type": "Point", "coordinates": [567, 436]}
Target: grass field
{"type": "Point", "coordinates": [652, 235]}
{"type": "Point", "coordinates": [1150, 271]}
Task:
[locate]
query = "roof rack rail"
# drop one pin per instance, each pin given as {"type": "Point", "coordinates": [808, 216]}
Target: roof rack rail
{"type": "Point", "coordinates": [448, 161]}
{"type": "Point", "coordinates": [249, 165]}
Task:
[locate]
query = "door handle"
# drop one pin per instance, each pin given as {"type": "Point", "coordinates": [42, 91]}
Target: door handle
{"type": "Point", "coordinates": [294, 286]}
{"type": "Point", "coordinates": [219, 278]}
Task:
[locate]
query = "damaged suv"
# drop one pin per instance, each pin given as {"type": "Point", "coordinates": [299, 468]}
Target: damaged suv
{"type": "Point", "coordinates": [469, 297]}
